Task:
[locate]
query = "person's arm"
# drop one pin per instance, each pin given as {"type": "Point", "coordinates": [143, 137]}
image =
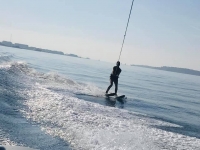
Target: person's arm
{"type": "Point", "coordinates": [113, 72]}
{"type": "Point", "coordinates": [113, 69]}
{"type": "Point", "coordinates": [119, 72]}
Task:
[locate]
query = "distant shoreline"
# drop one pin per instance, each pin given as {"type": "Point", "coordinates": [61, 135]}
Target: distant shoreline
{"type": "Point", "coordinates": [26, 47]}
{"type": "Point", "coordinates": [173, 69]}
{"type": "Point", "coordinates": [165, 68]}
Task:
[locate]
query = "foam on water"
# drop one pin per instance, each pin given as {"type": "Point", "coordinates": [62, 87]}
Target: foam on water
{"type": "Point", "coordinates": [4, 140]}
{"type": "Point", "coordinates": [89, 125]}
{"type": "Point", "coordinates": [5, 57]}
{"type": "Point", "coordinates": [50, 100]}
{"type": "Point", "coordinates": [61, 84]}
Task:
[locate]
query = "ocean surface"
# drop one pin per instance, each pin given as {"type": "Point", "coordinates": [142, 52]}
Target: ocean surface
{"type": "Point", "coordinates": [50, 102]}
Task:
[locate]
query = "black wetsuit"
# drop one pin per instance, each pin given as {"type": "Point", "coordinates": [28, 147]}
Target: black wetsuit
{"type": "Point", "coordinates": [114, 78]}
{"type": "Point", "coordinates": [115, 74]}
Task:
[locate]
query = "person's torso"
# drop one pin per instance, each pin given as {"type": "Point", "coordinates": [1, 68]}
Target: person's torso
{"type": "Point", "coordinates": [116, 71]}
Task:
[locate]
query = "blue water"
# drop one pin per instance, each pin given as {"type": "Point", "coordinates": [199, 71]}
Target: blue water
{"type": "Point", "coordinates": [50, 101]}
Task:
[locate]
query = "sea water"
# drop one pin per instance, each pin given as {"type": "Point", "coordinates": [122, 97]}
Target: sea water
{"type": "Point", "coordinates": [50, 101]}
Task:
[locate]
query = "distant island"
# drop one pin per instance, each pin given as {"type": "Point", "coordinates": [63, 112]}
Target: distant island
{"type": "Point", "coordinates": [26, 47]}
{"type": "Point", "coordinates": [173, 69]}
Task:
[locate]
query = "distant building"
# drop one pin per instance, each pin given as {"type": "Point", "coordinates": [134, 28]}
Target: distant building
{"type": "Point", "coordinates": [31, 48]}
{"type": "Point", "coordinates": [72, 55]}
{"type": "Point", "coordinates": [6, 43]}
{"type": "Point", "coordinates": [22, 46]}
{"type": "Point", "coordinates": [57, 52]}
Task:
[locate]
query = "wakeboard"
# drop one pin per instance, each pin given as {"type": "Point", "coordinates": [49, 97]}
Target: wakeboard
{"type": "Point", "coordinates": [110, 98]}
{"type": "Point", "coordinates": [115, 96]}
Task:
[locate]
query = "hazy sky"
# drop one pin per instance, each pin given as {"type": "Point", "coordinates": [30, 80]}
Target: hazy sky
{"type": "Point", "coordinates": [160, 33]}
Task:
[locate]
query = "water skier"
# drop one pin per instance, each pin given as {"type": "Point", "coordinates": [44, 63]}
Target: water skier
{"type": "Point", "coordinates": [114, 77]}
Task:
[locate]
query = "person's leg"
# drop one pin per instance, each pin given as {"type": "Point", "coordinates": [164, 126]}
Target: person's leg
{"type": "Point", "coordinates": [116, 86]}
{"type": "Point", "coordinates": [111, 84]}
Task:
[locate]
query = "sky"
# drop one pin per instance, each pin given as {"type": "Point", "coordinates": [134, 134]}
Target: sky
{"type": "Point", "coordinates": [160, 32]}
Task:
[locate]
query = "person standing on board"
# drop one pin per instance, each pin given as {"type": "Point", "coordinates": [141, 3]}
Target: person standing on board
{"type": "Point", "coordinates": [114, 77]}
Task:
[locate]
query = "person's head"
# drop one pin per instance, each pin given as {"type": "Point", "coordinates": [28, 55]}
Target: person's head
{"type": "Point", "coordinates": [118, 63]}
